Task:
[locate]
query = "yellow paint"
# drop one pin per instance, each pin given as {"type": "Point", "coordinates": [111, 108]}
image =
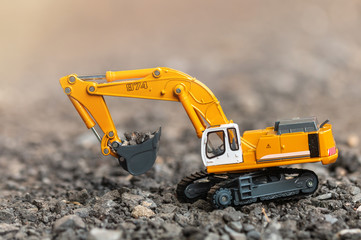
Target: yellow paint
{"type": "Point", "coordinates": [250, 165]}
{"type": "Point", "coordinates": [91, 105]}
{"type": "Point", "coordinates": [294, 142]}
{"type": "Point", "coordinates": [121, 75]}
{"type": "Point", "coordinates": [326, 140]}
{"type": "Point", "coordinates": [201, 106]}
{"type": "Point", "coordinates": [155, 83]}
{"type": "Point", "coordinates": [268, 144]}
{"type": "Point", "coordinates": [253, 137]}
{"type": "Point", "coordinates": [89, 122]}
{"type": "Point", "coordinates": [184, 98]}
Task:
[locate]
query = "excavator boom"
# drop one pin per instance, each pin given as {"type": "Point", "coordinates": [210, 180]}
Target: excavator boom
{"type": "Point", "coordinates": [87, 95]}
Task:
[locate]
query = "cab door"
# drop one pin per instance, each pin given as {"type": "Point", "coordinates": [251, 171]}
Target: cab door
{"type": "Point", "coordinates": [221, 145]}
{"type": "Point", "coordinates": [235, 152]}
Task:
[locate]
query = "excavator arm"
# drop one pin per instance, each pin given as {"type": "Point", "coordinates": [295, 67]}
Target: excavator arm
{"type": "Point", "coordinates": [87, 95]}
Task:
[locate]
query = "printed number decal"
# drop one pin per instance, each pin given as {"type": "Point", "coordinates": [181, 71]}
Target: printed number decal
{"type": "Point", "coordinates": [136, 86]}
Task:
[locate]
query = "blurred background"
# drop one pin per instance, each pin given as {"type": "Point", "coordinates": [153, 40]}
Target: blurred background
{"type": "Point", "coordinates": [264, 60]}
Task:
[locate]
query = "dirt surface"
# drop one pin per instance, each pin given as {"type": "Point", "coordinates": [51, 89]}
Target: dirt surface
{"type": "Point", "coordinates": [264, 60]}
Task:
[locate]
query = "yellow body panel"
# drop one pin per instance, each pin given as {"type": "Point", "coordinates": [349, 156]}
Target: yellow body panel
{"type": "Point", "coordinates": [294, 142]}
{"type": "Point", "coordinates": [289, 148]}
{"type": "Point", "coordinates": [250, 164]}
{"type": "Point", "coordinates": [326, 140]}
{"type": "Point", "coordinates": [253, 137]}
{"type": "Point", "coordinates": [267, 145]}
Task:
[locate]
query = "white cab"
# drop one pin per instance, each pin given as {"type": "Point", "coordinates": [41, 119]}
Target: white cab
{"type": "Point", "coordinates": [221, 145]}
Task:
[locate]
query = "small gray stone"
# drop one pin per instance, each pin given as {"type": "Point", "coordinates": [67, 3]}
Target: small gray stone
{"type": "Point", "coordinates": [157, 222]}
{"type": "Point", "coordinates": [100, 234]}
{"type": "Point", "coordinates": [331, 183]}
{"type": "Point", "coordinates": [129, 226]}
{"type": "Point", "coordinates": [64, 235]}
{"type": "Point", "coordinates": [167, 216]}
{"type": "Point", "coordinates": [38, 203]}
{"type": "Point", "coordinates": [212, 236]}
{"type": "Point", "coordinates": [330, 219]}
{"type": "Point", "coordinates": [193, 233]}
{"type": "Point", "coordinates": [82, 212]}
{"type": "Point", "coordinates": [234, 235]}
{"type": "Point", "coordinates": [60, 207]}
{"type": "Point", "coordinates": [272, 236]}
{"type": "Point", "coordinates": [238, 236]}
{"type": "Point", "coordinates": [131, 199]}
{"type": "Point", "coordinates": [356, 198]}
{"type": "Point", "coordinates": [28, 197]}
{"type": "Point", "coordinates": [248, 227]}
{"type": "Point", "coordinates": [172, 228]}
{"type": "Point", "coordinates": [6, 216]}
{"type": "Point", "coordinates": [272, 230]}
{"type": "Point", "coordinates": [78, 196]}
{"type": "Point", "coordinates": [225, 237]}
{"type": "Point", "coordinates": [181, 219]}
{"type": "Point", "coordinates": [202, 204]}
{"type": "Point", "coordinates": [234, 216]}
{"type": "Point", "coordinates": [324, 196]}
{"type": "Point", "coordinates": [354, 190]}
{"type": "Point", "coordinates": [33, 232]}
{"type": "Point", "coordinates": [104, 207]}
{"type": "Point", "coordinates": [354, 233]}
{"type": "Point", "coordinates": [112, 195]}
{"type": "Point", "coordinates": [303, 235]}
{"type": "Point", "coordinates": [168, 208]}
{"type": "Point", "coordinates": [7, 228]}
{"type": "Point", "coordinates": [237, 226]}
{"type": "Point", "coordinates": [149, 203]}
{"type": "Point", "coordinates": [69, 221]}
{"type": "Point", "coordinates": [21, 234]}
{"type": "Point", "coordinates": [168, 198]}
{"type": "Point", "coordinates": [255, 235]}
{"type": "Point", "coordinates": [30, 214]}
{"type": "Point", "coordinates": [11, 185]}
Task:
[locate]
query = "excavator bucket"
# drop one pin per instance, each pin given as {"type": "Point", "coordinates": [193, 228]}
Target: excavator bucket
{"type": "Point", "coordinates": [137, 159]}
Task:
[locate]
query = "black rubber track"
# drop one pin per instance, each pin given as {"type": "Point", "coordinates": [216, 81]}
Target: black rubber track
{"type": "Point", "coordinates": [182, 185]}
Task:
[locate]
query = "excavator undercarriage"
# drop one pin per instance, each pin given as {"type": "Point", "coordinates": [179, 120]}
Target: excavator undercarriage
{"type": "Point", "coordinates": [246, 188]}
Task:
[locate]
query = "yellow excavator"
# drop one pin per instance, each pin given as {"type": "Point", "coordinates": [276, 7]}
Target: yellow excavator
{"type": "Point", "coordinates": [239, 169]}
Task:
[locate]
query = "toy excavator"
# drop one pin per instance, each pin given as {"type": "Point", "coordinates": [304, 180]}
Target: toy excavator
{"type": "Point", "coordinates": [239, 170]}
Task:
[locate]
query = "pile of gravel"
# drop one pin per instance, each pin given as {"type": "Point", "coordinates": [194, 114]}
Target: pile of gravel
{"type": "Point", "coordinates": [68, 194]}
{"type": "Point", "coordinates": [134, 138]}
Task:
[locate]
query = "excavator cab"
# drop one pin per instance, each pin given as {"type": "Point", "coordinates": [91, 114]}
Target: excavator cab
{"type": "Point", "coordinates": [221, 145]}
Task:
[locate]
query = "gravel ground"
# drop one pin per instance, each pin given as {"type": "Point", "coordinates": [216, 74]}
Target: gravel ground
{"type": "Point", "coordinates": [264, 62]}
{"type": "Point", "coordinates": [76, 195]}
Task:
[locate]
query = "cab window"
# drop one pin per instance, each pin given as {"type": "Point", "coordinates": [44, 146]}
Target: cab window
{"type": "Point", "coordinates": [232, 137]}
{"type": "Point", "coordinates": [215, 144]}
